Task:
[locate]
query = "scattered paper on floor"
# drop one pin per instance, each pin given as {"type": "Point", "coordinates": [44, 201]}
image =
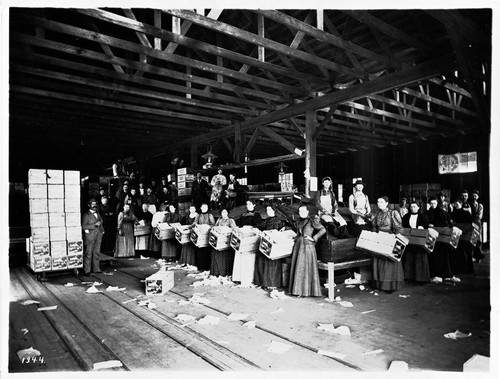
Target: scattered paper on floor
{"type": "Point", "coordinates": [280, 310]}
{"type": "Point", "coordinates": [25, 331]}
{"type": "Point", "coordinates": [404, 296]}
{"type": "Point", "coordinates": [28, 353]}
{"type": "Point", "coordinates": [350, 286]}
{"type": "Point", "coordinates": [378, 351]}
{"type": "Point", "coordinates": [237, 316]}
{"type": "Point", "coordinates": [326, 285]}
{"type": "Point", "coordinates": [129, 301]}
{"type": "Point", "coordinates": [342, 330]}
{"type": "Point", "coordinates": [208, 320]}
{"type": "Point", "coordinates": [184, 267]}
{"type": "Point", "coordinates": [97, 284]}
{"type": "Point", "coordinates": [249, 324]}
{"type": "Point", "coordinates": [370, 311]}
{"type": "Point", "coordinates": [51, 308]}
{"type": "Point", "coordinates": [362, 287]}
{"type": "Point", "coordinates": [184, 318]}
{"type": "Point", "coordinates": [331, 354]}
{"type": "Point", "coordinates": [398, 366]}
{"type": "Point", "coordinates": [477, 363]}
{"type": "Point", "coordinates": [69, 285]}
{"type": "Point", "coordinates": [346, 304]}
{"type": "Point", "coordinates": [275, 294]}
{"type": "Point", "coordinates": [356, 280]}
{"type": "Point", "coordinates": [278, 347]}
{"type": "Point", "coordinates": [108, 273]}
{"type": "Point", "coordinates": [457, 334]}
{"type": "Point", "coordinates": [29, 302]}
{"type": "Point", "coordinates": [107, 364]}
{"type": "Point", "coordinates": [152, 305]}
{"type": "Point", "coordinates": [112, 288]}
{"type": "Point", "coordinates": [92, 289]}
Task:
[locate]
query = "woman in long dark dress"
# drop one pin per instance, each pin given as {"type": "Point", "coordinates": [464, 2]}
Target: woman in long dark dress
{"type": "Point", "coordinates": [188, 255]}
{"type": "Point", "coordinates": [203, 255]}
{"type": "Point", "coordinates": [416, 258]}
{"type": "Point", "coordinates": [268, 273]}
{"type": "Point", "coordinates": [124, 246]}
{"type": "Point", "coordinates": [244, 263]}
{"type": "Point", "coordinates": [142, 242]}
{"type": "Point", "coordinates": [222, 260]}
{"type": "Point", "coordinates": [170, 247]}
{"type": "Point", "coordinates": [304, 274]}
{"type": "Point", "coordinates": [388, 275]}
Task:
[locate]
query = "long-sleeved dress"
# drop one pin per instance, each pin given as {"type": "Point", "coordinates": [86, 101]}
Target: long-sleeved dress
{"type": "Point", "coordinates": [188, 255]}
{"type": "Point", "coordinates": [109, 222]}
{"type": "Point", "coordinates": [170, 247]}
{"type": "Point", "coordinates": [439, 260]}
{"type": "Point", "coordinates": [203, 254]}
{"type": "Point", "coordinates": [387, 275]}
{"type": "Point", "coordinates": [222, 260]}
{"type": "Point", "coordinates": [142, 242]}
{"type": "Point", "coordinates": [124, 246]}
{"type": "Point", "coordinates": [269, 273]}
{"type": "Point", "coordinates": [416, 259]}
{"type": "Point", "coordinates": [304, 274]}
{"type": "Point", "coordinates": [244, 263]}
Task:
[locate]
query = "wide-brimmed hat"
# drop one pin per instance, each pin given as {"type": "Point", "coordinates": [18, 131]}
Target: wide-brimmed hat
{"type": "Point", "coordinates": [326, 178]}
{"type": "Point", "coordinates": [359, 181]}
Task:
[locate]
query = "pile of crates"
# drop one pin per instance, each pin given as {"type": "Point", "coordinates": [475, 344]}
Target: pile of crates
{"type": "Point", "coordinates": [55, 220]}
{"type": "Point", "coordinates": [185, 179]}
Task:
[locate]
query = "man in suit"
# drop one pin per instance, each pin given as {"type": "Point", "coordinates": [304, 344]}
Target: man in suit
{"type": "Point", "coordinates": [199, 191]}
{"type": "Point", "coordinates": [93, 230]}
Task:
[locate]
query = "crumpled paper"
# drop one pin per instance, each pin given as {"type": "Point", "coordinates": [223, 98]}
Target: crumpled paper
{"type": "Point", "coordinates": [92, 289]}
{"type": "Point", "coordinates": [29, 302]}
{"type": "Point", "coordinates": [249, 324]}
{"type": "Point", "coordinates": [356, 280]}
{"type": "Point", "coordinates": [457, 334]}
{"type": "Point", "coordinates": [275, 294]}
{"type": "Point", "coordinates": [278, 347]}
{"type": "Point", "coordinates": [208, 320]}
{"type": "Point", "coordinates": [342, 330]}
{"type": "Point", "coordinates": [112, 288]}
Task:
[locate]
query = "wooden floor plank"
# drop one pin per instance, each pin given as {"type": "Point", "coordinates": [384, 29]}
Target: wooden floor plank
{"type": "Point", "coordinates": [40, 335]}
{"type": "Point", "coordinates": [86, 349]}
{"type": "Point", "coordinates": [138, 344]}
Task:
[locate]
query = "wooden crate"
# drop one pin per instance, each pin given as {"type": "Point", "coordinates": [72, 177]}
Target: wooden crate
{"type": "Point", "coordinates": [164, 231]}
{"type": "Point", "coordinates": [183, 234]}
{"type": "Point", "coordinates": [449, 236]}
{"type": "Point", "coordinates": [337, 250]}
{"type": "Point", "coordinates": [220, 237]}
{"type": "Point", "coordinates": [275, 244]}
{"type": "Point", "coordinates": [382, 244]}
{"type": "Point", "coordinates": [245, 239]}
{"type": "Point", "coordinates": [470, 233]}
{"type": "Point", "coordinates": [142, 230]}
{"type": "Point", "coordinates": [200, 235]}
{"type": "Point", "coordinates": [425, 238]}
{"type": "Point", "coordinates": [159, 283]}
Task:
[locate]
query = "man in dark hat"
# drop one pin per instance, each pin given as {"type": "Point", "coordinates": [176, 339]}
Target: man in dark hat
{"type": "Point", "coordinates": [360, 208]}
{"type": "Point", "coordinates": [93, 230]}
{"type": "Point", "coordinates": [442, 203]}
{"type": "Point", "coordinates": [199, 191]}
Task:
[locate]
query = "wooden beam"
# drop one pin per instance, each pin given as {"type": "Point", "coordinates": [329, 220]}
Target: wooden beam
{"type": "Point", "coordinates": [310, 151]}
{"type": "Point", "coordinates": [279, 139]}
{"type": "Point", "coordinates": [190, 42]}
{"type": "Point", "coordinates": [255, 39]}
{"type": "Point", "coordinates": [80, 52]}
{"type": "Point", "coordinates": [323, 36]}
{"type": "Point", "coordinates": [261, 33]}
{"type": "Point", "coordinates": [250, 144]}
{"type": "Point", "coordinates": [381, 84]}
{"type": "Point", "coordinates": [237, 143]}
{"type": "Point", "coordinates": [296, 126]}
{"type": "Point", "coordinates": [172, 58]}
{"type": "Point", "coordinates": [263, 161]}
{"type": "Point", "coordinates": [323, 123]}
{"type": "Point", "coordinates": [157, 24]}
{"type": "Point", "coordinates": [228, 145]}
{"type": "Point", "coordinates": [366, 18]}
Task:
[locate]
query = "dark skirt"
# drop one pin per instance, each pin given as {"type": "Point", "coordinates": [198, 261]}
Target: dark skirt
{"type": "Point", "coordinates": [460, 257]}
{"type": "Point", "coordinates": [203, 257]}
{"type": "Point", "coordinates": [108, 239]}
{"type": "Point", "coordinates": [387, 274]}
{"type": "Point", "coordinates": [439, 261]}
{"type": "Point", "coordinates": [125, 246]}
{"type": "Point", "coordinates": [304, 275]}
{"type": "Point", "coordinates": [169, 248]}
{"type": "Point", "coordinates": [154, 243]}
{"type": "Point", "coordinates": [188, 255]}
{"type": "Point", "coordinates": [268, 273]}
{"type": "Point", "coordinates": [222, 262]}
{"type": "Point", "coordinates": [416, 264]}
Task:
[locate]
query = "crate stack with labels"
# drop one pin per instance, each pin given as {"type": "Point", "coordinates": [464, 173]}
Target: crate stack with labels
{"type": "Point", "coordinates": [55, 220]}
{"type": "Point", "coordinates": [185, 179]}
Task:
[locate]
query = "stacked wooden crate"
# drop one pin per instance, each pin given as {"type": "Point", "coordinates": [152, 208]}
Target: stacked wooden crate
{"type": "Point", "coordinates": [200, 235]}
{"type": "Point", "coordinates": [183, 233]}
{"type": "Point", "coordinates": [55, 220]}
{"type": "Point", "coordinates": [220, 237]}
{"type": "Point", "coordinates": [245, 239]}
{"type": "Point", "coordinates": [425, 238]}
{"type": "Point", "coordinates": [185, 179]}
{"type": "Point", "coordinates": [276, 244]}
{"type": "Point", "coordinates": [449, 236]}
{"type": "Point", "coordinates": [470, 233]}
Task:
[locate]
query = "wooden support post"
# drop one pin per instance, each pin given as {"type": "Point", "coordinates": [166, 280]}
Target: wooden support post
{"type": "Point", "coordinates": [237, 143]}
{"type": "Point", "coordinates": [194, 156]}
{"type": "Point", "coordinates": [310, 148]}
{"type": "Point", "coordinates": [176, 25]}
{"type": "Point", "coordinates": [157, 24]}
{"type": "Point", "coordinates": [319, 19]}
{"type": "Point", "coordinates": [261, 29]}
{"type": "Point", "coordinates": [188, 74]}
